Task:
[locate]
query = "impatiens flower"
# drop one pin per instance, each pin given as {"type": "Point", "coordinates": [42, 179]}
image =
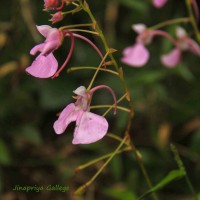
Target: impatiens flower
{"type": "Point", "coordinates": [137, 55]}
{"type": "Point", "coordinates": [45, 65]}
{"type": "Point", "coordinates": [58, 16]}
{"type": "Point", "coordinates": [90, 127]}
{"type": "Point", "coordinates": [184, 43]}
{"type": "Point", "coordinates": [159, 3]}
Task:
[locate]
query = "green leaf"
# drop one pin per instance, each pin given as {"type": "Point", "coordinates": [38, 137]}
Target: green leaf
{"type": "Point", "coordinates": [5, 157]}
{"type": "Point", "coordinates": [120, 193]}
{"type": "Point", "coordinates": [173, 175]}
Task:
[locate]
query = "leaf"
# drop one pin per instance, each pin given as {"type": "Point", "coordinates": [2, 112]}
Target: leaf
{"type": "Point", "coordinates": [120, 193]}
{"type": "Point", "coordinates": [173, 175]}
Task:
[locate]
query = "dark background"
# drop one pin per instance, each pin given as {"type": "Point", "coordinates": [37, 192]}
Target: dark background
{"type": "Point", "coordinates": [166, 104]}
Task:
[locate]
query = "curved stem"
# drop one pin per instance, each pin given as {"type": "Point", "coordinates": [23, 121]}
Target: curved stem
{"type": "Point", "coordinates": [68, 56]}
{"type": "Point", "coordinates": [169, 22]}
{"type": "Point", "coordinates": [110, 90]}
{"type": "Point", "coordinates": [89, 42]}
{"type": "Point", "coordinates": [61, 6]}
{"type": "Point", "coordinates": [75, 25]}
{"type": "Point", "coordinates": [84, 31]}
{"type": "Point", "coordinates": [165, 34]}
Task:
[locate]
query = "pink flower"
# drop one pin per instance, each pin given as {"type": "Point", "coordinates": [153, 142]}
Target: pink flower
{"type": "Point", "coordinates": [90, 127]}
{"type": "Point", "coordinates": [58, 16]}
{"type": "Point", "coordinates": [137, 55]}
{"type": "Point", "coordinates": [184, 43]}
{"type": "Point", "coordinates": [159, 3]}
{"type": "Point", "coordinates": [51, 4]}
{"type": "Point", "coordinates": [46, 65]}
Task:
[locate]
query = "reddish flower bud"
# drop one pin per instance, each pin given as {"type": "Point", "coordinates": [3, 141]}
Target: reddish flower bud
{"type": "Point", "coordinates": [51, 4]}
{"type": "Point", "coordinates": [58, 16]}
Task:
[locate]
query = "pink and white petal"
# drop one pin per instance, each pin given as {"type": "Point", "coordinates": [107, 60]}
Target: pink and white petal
{"type": "Point", "coordinates": [159, 3]}
{"type": "Point", "coordinates": [43, 66]}
{"type": "Point", "coordinates": [37, 48]}
{"type": "Point", "coordinates": [139, 28]}
{"type": "Point", "coordinates": [89, 128]}
{"type": "Point", "coordinates": [136, 55]}
{"type": "Point", "coordinates": [68, 115]}
{"type": "Point", "coordinates": [81, 91]}
{"type": "Point", "coordinates": [172, 58]}
{"type": "Point", "coordinates": [193, 46]}
{"type": "Point", "coordinates": [44, 30]}
{"type": "Point", "coordinates": [180, 32]}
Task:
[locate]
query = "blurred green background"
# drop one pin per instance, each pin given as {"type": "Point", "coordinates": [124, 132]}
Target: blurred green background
{"type": "Point", "coordinates": [166, 104]}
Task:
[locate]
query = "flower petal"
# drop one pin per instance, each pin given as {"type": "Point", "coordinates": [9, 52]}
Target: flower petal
{"type": "Point", "coordinates": [136, 55]}
{"type": "Point", "coordinates": [68, 115]}
{"type": "Point", "coordinates": [37, 48]}
{"type": "Point", "coordinates": [139, 28]}
{"type": "Point", "coordinates": [193, 46]}
{"type": "Point", "coordinates": [44, 30]}
{"type": "Point", "coordinates": [81, 91]}
{"type": "Point", "coordinates": [159, 3]}
{"type": "Point", "coordinates": [89, 128]}
{"type": "Point", "coordinates": [43, 66]}
{"type": "Point", "coordinates": [172, 58]}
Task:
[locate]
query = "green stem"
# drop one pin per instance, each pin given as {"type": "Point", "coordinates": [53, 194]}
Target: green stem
{"type": "Point", "coordinates": [143, 169]}
{"type": "Point", "coordinates": [118, 101]}
{"type": "Point", "coordinates": [169, 22]}
{"type": "Point", "coordinates": [192, 18]}
{"type": "Point", "coordinates": [81, 167]}
{"type": "Point", "coordinates": [71, 69]}
{"type": "Point", "coordinates": [82, 188]}
{"type": "Point", "coordinates": [182, 168]}
{"type": "Point", "coordinates": [84, 31]}
{"type": "Point", "coordinates": [110, 106]}
{"type": "Point", "coordinates": [97, 70]}
{"type": "Point", "coordinates": [75, 26]}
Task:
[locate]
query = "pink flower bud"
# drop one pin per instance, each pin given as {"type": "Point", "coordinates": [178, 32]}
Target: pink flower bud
{"type": "Point", "coordinates": [51, 4]}
{"type": "Point", "coordinates": [58, 16]}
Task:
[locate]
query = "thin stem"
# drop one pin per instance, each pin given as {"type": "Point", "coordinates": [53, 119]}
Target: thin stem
{"type": "Point", "coordinates": [91, 43]}
{"type": "Point", "coordinates": [81, 167]}
{"type": "Point", "coordinates": [192, 18]}
{"type": "Point", "coordinates": [83, 187]}
{"type": "Point", "coordinates": [96, 72]}
{"type": "Point", "coordinates": [76, 25]}
{"type": "Point", "coordinates": [84, 31]}
{"type": "Point", "coordinates": [110, 106]}
{"type": "Point", "coordinates": [182, 168]}
{"type": "Point", "coordinates": [143, 169]}
{"type": "Point", "coordinates": [68, 56]}
{"type": "Point", "coordinates": [118, 101]}
{"type": "Point", "coordinates": [71, 69]}
{"type": "Point", "coordinates": [116, 137]}
{"type": "Point", "coordinates": [110, 90]}
{"type": "Point", "coordinates": [97, 28]}
{"type": "Point", "coordinates": [169, 22]}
